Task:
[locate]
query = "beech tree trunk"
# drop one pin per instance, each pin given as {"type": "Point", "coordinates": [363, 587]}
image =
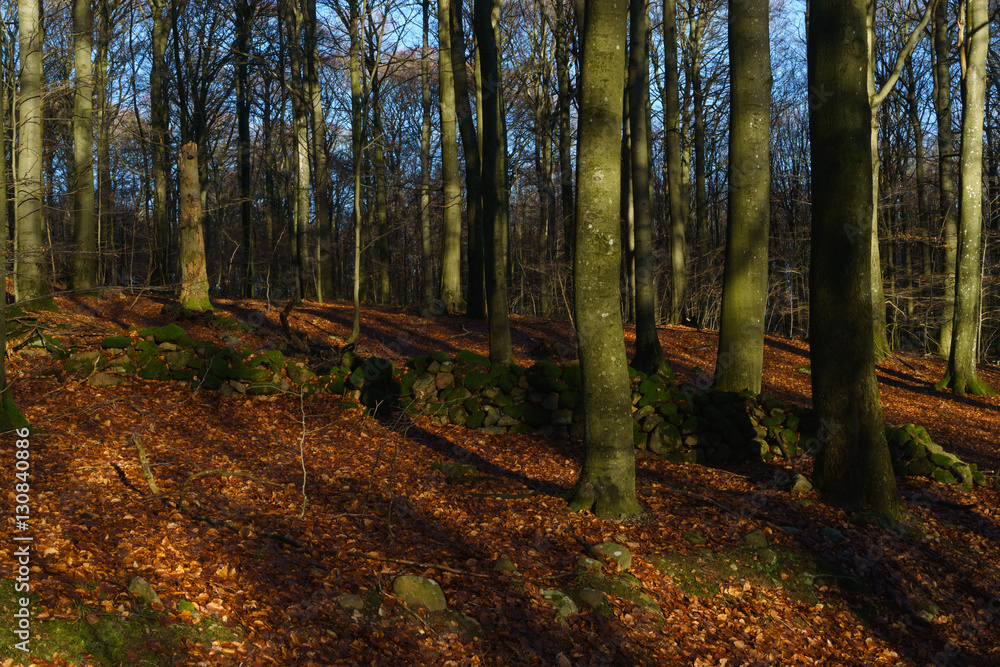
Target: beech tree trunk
{"type": "Point", "coordinates": [84, 275]}
{"type": "Point", "coordinates": [30, 275]}
{"type": "Point", "coordinates": [476, 306]}
{"type": "Point", "coordinates": [494, 182]}
{"type": "Point", "coordinates": [853, 466]}
{"type": "Point", "coordinates": [607, 480]}
{"type": "Point", "coordinates": [946, 176]}
{"type": "Point", "coordinates": [740, 358]}
{"type": "Point", "coordinates": [426, 255]}
{"type": "Point", "coordinates": [648, 353]}
{"type": "Point", "coordinates": [962, 376]}
{"type": "Point", "coordinates": [159, 121]}
{"type": "Point", "coordinates": [451, 232]}
{"type": "Point", "coordinates": [674, 178]}
{"type": "Point", "coordinates": [194, 271]}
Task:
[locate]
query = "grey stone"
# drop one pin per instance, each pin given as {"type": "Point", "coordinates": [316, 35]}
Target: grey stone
{"type": "Point", "coordinates": [755, 539]}
{"type": "Point", "coordinates": [767, 557]}
{"type": "Point", "coordinates": [562, 417]}
{"type": "Point", "coordinates": [591, 597]}
{"type": "Point", "coordinates": [587, 563]}
{"type": "Point", "coordinates": [85, 361]}
{"type": "Point", "coordinates": [102, 380]}
{"type": "Point", "coordinates": [833, 535]}
{"type": "Point", "coordinates": [419, 592]}
{"type": "Point", "coordinates": [563, 603]}
{"type": "Point", "coordinates": [141, 588]}
{"type": "Point", "coordinates": [801, 484]}
{"type": "Point", "coordinates": [351, 602]}
{"type": "Point", "coordinates": [504, 564]}
{"type": "Point", "coordinates": [616, 552]}
{"type": "Point", "coordinates": [551, 401]}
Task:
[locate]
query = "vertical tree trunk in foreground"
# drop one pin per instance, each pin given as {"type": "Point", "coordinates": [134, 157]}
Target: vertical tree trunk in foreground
{"type": "Point", "coordinates": [648, 353]}
{"type": "Point", "coordinates": [853, 466]}
{"type": "Point", "coordinates": [84, 276]}
{"type": "Point", "coordinates": [607, 481]}
{"type": "Point", "coordinates": [740, 359]}
{"type": "Point", "coordinates": [30, 280]}
{"type": "Point", "coordinates": [962, 376]}
{"type": "Point", "coordinates": [494, 183]}
{"type": "Point", "coordinates": [300, 137]}
{"type": "Point", "coordinates": [675, 188]}
{"type": "Point", "coordinates": [451, 232]}
{"type": "Point", "coordinates": [194, 272]}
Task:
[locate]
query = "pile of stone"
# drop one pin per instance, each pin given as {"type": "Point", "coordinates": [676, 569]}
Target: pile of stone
{"type": "Point", "coordinates": [914, 454]}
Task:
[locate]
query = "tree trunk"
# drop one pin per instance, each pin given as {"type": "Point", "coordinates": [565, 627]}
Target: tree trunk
{"type": "Point", "coordinates": [426, 255]}
{"type": "Point", "coordinates": [563, 104]}
{"type": "Point", "coordinates": [159, 121]}
{"type": "Point", "coordinates": [853, 465]}
{"type": "Point", "coordinates": [381, 196]}
{"type": "Point", "coordinates": [357, 68]}
{"type": "Point", "coordinates": [740, 358]}
{"type": "Point", "coordinates": [194, 271]}
{"type": "Point", "coordinates": [476, 307]}
{"type": "Point", "coordinates": [946, 166]}
{"type": "Point", "coordinates": [105, 223]}
{"type": "Point", "coordinates": [675, 188]}
{"type": "Point", "coordinates": [962, 376]}
{"type": "Point", "coordinates": [244, 21]}
{"type": "Point", "coordinates": [648, 353]}
{"type": "Point", "coordinates": [607, 480]}
{"type": "Point", "coordinates": [84, 275]}
{"type": "Point", "coordinates": [494, 182]}
{"type": "Point", "coordinates": [30, 279]}
{"type": "Point", "coordinates": [451, 232]}
{"type": "Point", "coordinates": [320, 153]}
{"type": "Point", "coordinates": [300, 137]}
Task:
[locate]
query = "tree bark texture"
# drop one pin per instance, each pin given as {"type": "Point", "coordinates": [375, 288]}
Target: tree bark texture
{"type": "Point", "coordinates": [740, 358]}
{"type": "Point", "coordinates": [853, 466]}
{"type": "Point", "coordinates": [607, 480]}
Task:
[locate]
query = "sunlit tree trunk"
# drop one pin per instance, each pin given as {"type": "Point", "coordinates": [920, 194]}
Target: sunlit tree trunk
{"type": "Point", "coordinates": [946, 177]}
{"type": "Point", "coordinates": [853, 466]}
{"type": "Point", "coordinates": [194, 272]}
{"type": "Point", "coordinates": [30, 279]}
{"type": "Point", "coordinates": [648, 354]}
{"type": "Point", "coordinates": [426, 255]}
{"type": "Point", "coordinates": [320, 153]}
{"type": "Point", "coordinates": [84, 275]}
{"type": "Point", "coordinates": [494, 183]}
{"type": "Point", "coordinates": [476, 307]}
{"type": "Point", "coordinates": [962, 376]}
{"type": "Point", "coordinates": [357, 69]}
{"type": "Point", "coordinates": [451, 231]}
{"type": "Point", "coordinates": [740, 358]}
{"type": "Point", "coordinates": [300, 137]}
{"type": "Point", "coordinates": [607, 480]}
{"type": "Point", "coordinates": [675, 188]}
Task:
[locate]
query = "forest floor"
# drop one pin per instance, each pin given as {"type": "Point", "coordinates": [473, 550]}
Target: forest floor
{"type": "Point", "coordinates": [268, 567]}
